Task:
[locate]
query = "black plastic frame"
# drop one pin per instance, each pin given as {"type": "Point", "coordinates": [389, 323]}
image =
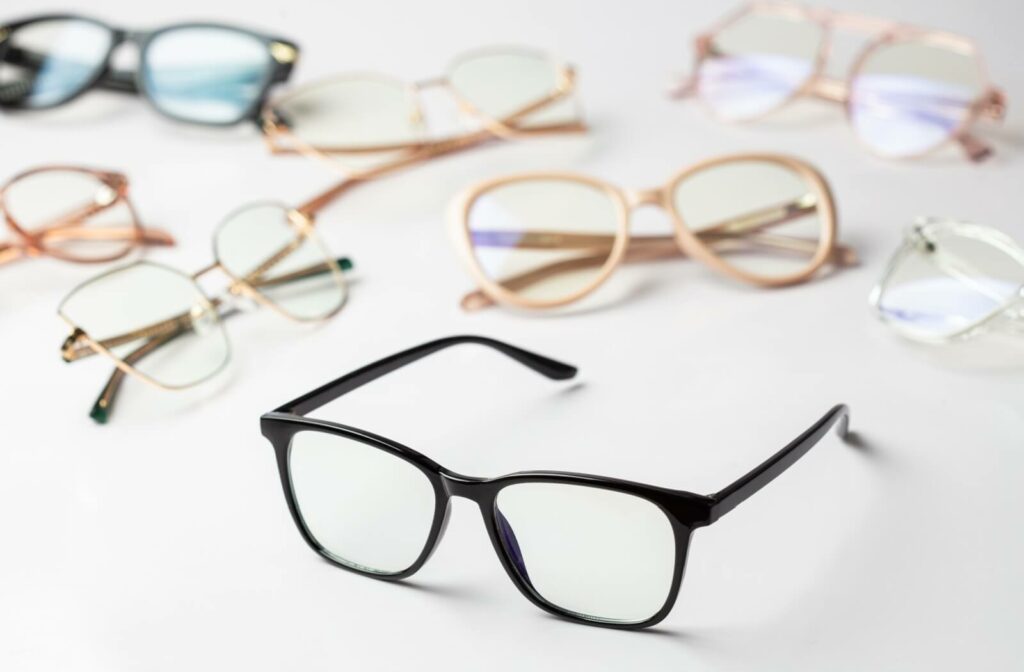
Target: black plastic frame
{"type": "Point", "coordinates": [106, 77]}
{"type": "Point", "coordinates": [685, 511]}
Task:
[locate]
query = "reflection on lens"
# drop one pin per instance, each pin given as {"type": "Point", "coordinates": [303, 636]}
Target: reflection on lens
{"type": "Point", "coordinates": [950, 277]}
{"type": "Point", "coordinates": [600, 554]}
{"type": "Point", "coordinates": [358, 112]}
{"type": "Point", "coordinates": [545, 240]}
{"type": "Point", "coordinates": [503, 84]}
{"type": "Point", "coordinates": [208, 74]}
{"type": "Point", "coordinates": [154, 319]}
{"type": "Point", "coordinates": [367, 508]}
{"type": "Point", "coordinates": [910, 97]}
{"type": "Point", "coordinates": [47, 62]}
{"type": "Point", "coordinates": [759, 216]}
{"type": "Point", "coordinates": [76, 214]}
{"type": "Point", "coordinates": [757, 63]}
{"type": "Point", "coordinates": [275, 252]}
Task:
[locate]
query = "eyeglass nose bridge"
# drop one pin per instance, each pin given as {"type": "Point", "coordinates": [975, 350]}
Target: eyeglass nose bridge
{"type": "Point", "coordinates": [468, 487]}
{"type": "Point", "coordinates": [636, 198]}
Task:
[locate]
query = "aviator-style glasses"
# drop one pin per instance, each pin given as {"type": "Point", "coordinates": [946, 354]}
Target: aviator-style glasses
{"type": "Point", "coordinates": [909, 92]}
{"type": "Point", "coordinates": [952, 280]}
{"type": "Point", "coordinates": [543, 240]}
{"type": "Point", "coordinates": [598, 550]}
{"type": "Point", "coordinates": [202, 73]}
{"type": "Point", "coordinates": [73, 214]}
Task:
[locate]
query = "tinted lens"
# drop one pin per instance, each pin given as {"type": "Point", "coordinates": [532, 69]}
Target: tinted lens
{"type": "Point", "coordinates": [761, 217]}
{"type": "Point", "coordinates": [547, 241]}
{"type": "Point", "coordinates": [503, 84]}
{"type": "Point", "coordinates": [77, 214]}
{"type": "Point", "coordinates": [910, 97]}
{"type": "Point", "coordinates": [757, 63]}
{"type": "Point", "coordinates": [154, 319]}
{"type": "Point", "coordinates": [352, 113]}
{"type": "Point", "coordinates": [950, 277]}
{"type": "Point", "coordinates": [367, 508]}
{"type": "Point", "coordinates": [207, 75]}
{"type": "Point", "coordinates": [599, 554]}
{"type": "Point", "coordinates": [45, 63]}
{"type": "Point", "coordinates": [275, 252]}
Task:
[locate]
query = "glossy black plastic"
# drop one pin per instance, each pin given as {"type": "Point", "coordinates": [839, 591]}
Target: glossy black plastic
{"type": "Point", "coordinates": [686, 511]}
{"type": "Point", "coordinates": [108, 78]}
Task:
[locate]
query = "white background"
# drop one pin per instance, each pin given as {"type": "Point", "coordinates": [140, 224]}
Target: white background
{"type": "Point", "coordinates": [162, 541]}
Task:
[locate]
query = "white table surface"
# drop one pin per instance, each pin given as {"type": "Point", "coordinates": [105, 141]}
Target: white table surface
{"type": "Point", "coordinates": [162, 541]}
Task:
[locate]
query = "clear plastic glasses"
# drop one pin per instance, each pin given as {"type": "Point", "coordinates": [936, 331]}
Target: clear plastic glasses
{"type": "Point", "coordinates": [73, 214]}
{"type": "Point", "coordinates": [951, 280]}
{"type": "Point", "coordinates": [909, 91]}
{"type": "Point", "coordinates": [158, 325]}
{"type": "Point", "coordinates": [543, 240]}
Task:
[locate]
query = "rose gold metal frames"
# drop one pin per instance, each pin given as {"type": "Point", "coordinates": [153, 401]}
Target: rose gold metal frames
{"type": "Point", "coordinates": [602, 253]}
{"type": "Point", "coordinates": [393, 154]}
{"type": "Point", "coordinates": [960, 115]}
{"type": "Point", "coordinates": [34, 239]}
{"type": "Point", "coordinates": [139, 341]}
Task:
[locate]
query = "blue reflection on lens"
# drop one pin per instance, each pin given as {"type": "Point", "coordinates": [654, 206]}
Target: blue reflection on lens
{"type": "Point", "coordinates": [206, 74]}
{"type": "Point", "coordinates": [45, 63]}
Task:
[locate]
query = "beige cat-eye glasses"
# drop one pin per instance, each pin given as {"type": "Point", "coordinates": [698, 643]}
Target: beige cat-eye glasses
{"type": "Point", "coordinates": [543, 240]}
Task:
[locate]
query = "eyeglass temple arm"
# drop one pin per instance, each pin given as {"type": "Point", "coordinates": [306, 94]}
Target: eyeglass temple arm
{"type": "Point", "coordinates": [728, 498]}
{"type": "Point", "coordinates": [77, 346]}
{"type": "Point", "coordinates": [327, 393]}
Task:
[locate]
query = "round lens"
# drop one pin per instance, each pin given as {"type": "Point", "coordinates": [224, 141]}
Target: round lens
{"type": "Point", "coordinates": [545, 242]}
{"type": "Point", "coordinates": [767, 220]}
{"type": "Point", "coordinates": [504, 84]}
{"type": "Point", "coordinates": [48, 62]}
{"type": "Point", "coordinates": [153, 318]}
{"type": "Point", "coordinates": [910, 97]}
{"type": "Point", "coordinates": [950, 277]}
{"type": "Point", "coordinates": [206, 74]}
{"type": "Point", "coordinates": [600, 554]}
{"type": "Point", "coordinates": [365, 507]}
{"type": "Point", "coordinates": [73, 214]}
{"type": "Point", "coordinates": [757, 63]}
{"type": "Point", "coordinates": [274, 251]}
{"type": "Point", "coordinates": [363, 112]}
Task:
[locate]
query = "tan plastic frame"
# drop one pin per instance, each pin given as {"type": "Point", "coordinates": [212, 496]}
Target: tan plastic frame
{"type": "Point", "coordinates": [684, 242]}
{"type": "Point", "coordinates": [33, 243]}
{"type": "Point", "coordinates": [280, 140]}
{"type": "Point", "coordinates": [991, 101]}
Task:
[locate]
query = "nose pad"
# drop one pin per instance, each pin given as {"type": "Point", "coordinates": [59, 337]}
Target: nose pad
{"type": "Point", "coordinates": [511, 544]}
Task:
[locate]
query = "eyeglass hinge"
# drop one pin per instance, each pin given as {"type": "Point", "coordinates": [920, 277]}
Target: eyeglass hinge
{"type": "Point", "coordinates": [69, 349]}
{"type": "Point", "coordinates": [283, 53]}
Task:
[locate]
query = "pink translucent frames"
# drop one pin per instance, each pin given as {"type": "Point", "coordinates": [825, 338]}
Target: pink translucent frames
{"type": "Point", "coordinates": [74, 214]}
{"type": "Point", "coordinates": [908, 92]}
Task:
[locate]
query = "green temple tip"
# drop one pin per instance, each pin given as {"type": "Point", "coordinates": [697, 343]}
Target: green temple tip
{"type": "Point", "coordinates": [100, 413]}
{"type": "Point", "coordinates": [345, 264]}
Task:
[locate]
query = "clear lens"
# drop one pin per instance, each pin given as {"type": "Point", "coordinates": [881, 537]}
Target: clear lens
{"type": "Point", "coordinates": [759, 216]}
{"type": "Point", "coordinates": [359, 112]}
{"type": "Point", "coordinates": [78, 215]}
{"type": "Point", "coordinates": [950, 277]}
{"type": "Point", "coordinates": [503, 84]}
{"type": "Point", "coordinates": [154, 319]}
{"type": "Point", "coordinates": [910, 97]}
{"type": "Point", "coordinates": [367, 508]}
{"type": "Point", "coordinates": [757, 63]}
{"type": "Point", "coordinates": [545, 240]}
{"type": "Point", "coordinates": [600, 554]}
{"type": "Point", "coordinates": [45, 63]}
{"type": "Point", "coordinates": [206, 74]}
{"type": "Point", "coordinates": [275, 252]}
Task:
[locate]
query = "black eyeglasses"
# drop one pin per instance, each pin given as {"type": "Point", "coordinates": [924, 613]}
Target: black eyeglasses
{"type": "Point", "coordinates": [201, 73]}
{"type": "Point", "coordinates": [588, 548]}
